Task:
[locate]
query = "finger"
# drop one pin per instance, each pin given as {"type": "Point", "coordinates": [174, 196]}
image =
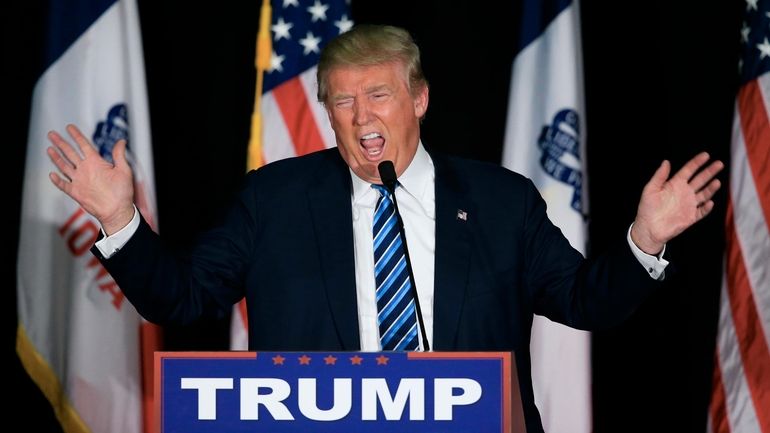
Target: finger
{"type": "Point", "coordinates": [119, 154]}
{"type": "Point", "coordinates": [706, 175]}
{"type": "Point", "coordinates": [660, 176]}
{"type": "Point", "coordinates": [689, 169]}
{"type": "Point", "coordinates": [60, 183]}
{"type": "Point", "coordinates": [68, 151]}
{"type": "Point", "coordinates": [706, 193]}
{"type": "Point", "coordinates": [705, 209]}
{"type": "Point", "coordinates": [83, 143]}
{"type": "Point", "coordinates": [60, 162]}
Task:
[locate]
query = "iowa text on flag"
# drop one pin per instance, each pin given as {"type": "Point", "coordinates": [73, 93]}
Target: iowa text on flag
{"type": "Point", "coordinates": [740, 399]}
{"type": "Point", "coordinates": [78, 338]}
{"type": "Point", "coordinates": [293, 122]}
{"type": "Point", "coordinates": [545, 141]}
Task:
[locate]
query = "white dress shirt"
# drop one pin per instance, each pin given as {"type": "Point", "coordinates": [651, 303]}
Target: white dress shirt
{"type": "Point", "coordinates": [416, 197]}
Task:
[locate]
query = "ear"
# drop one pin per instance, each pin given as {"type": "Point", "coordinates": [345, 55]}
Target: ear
{"type": "Point", "coordinates": [420, 100]}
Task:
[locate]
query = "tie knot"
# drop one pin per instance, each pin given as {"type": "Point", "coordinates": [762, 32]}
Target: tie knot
{"type": "Point", "coordinates": [382, 189]}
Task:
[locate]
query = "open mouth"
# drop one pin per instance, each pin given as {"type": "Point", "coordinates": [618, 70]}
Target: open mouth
{"type": "Point", "coordinates": [373, 145]}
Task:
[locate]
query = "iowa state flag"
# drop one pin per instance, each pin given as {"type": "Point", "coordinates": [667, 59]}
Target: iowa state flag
{"type": "Point", "coordinates": [78, 338]}
{"type": "Point", "coordinates": [545, 141]}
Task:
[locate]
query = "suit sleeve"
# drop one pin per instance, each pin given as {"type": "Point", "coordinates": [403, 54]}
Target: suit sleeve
{"type": "Point", "coordinates": [167, 286]}
{"type": "Point", "coordinates": [566, 288]}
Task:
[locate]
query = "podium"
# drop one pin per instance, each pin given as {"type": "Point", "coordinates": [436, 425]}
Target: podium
{"type": "Point", "coordinates": [337, 392]}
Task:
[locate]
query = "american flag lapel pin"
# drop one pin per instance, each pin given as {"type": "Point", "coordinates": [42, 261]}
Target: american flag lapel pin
{"type": "Point", "coordinates": [462, 215]}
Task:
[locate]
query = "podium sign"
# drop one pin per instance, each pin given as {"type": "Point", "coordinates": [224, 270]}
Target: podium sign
{"type": "Point", "coordinates": [337, 392]}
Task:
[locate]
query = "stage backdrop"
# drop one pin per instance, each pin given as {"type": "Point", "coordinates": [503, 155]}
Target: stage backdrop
{"type": "Point", "coordinates": [660, 80]}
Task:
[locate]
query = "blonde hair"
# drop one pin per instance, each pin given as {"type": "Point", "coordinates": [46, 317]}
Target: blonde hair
{"type": "Point", "coordinates": [369, 45]}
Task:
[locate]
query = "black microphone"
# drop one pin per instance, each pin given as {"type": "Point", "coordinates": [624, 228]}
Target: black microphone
{"type": "Point", "coordinates": [388, 175]}
{"type": "Point", "coordinates": [388, 178]}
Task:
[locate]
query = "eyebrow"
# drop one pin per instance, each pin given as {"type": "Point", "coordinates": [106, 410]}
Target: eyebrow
{"type": "Point", "coordinates": [341, 97]}
{"type": "Point", "coordinates": [368, 91]}
{"type": "Point", "coordinates": [377, 88]}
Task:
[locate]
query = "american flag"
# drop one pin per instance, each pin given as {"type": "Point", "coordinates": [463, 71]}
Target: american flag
{"type": "Point", "coordinates": [740, 400]}
{"type": "Point", "coordinates": [294, 123]}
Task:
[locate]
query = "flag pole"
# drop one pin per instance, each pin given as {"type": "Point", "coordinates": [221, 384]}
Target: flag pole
{"type": "Point", "coordinates": [254, 158]}
{"type": "Point", "coordinates": [262, 63]}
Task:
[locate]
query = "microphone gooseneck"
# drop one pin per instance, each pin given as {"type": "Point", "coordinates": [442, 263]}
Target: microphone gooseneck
{"type": "Point", "coordinates": [388, 178]}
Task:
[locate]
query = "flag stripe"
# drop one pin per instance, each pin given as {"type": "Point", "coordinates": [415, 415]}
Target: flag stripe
{"type": "Point", "coordinates": [77, 337]}
{"type": "Point", "coordinates": [151, 341]}
{"type": "Point", "coordinates": [754, 350]}
{"type": "Point", "coordinates": [756, 133]}
{"type": "Point", "coordinates": [46, 379]}
{"type": "Point", "coordinates": [546, 93]}
{"type": "Point", "coordinates": [308, 79]}
{"type": "Point", "coordinates": [293, 103]}
{"type": "Point", "coordinates": [749, 222]}
{"type": "Point", "coordinates": [537, 16]}
{"type": "Point", "coordinates": [244, 317]}
{"type": "Point", "coordinates": [67, 22]}
{"type": "Point", "coordinates": [740, 412]}
{"type": "Point", "coordinates": [718, 410]}
{"type": "Point", "coordinates": [277, 145]}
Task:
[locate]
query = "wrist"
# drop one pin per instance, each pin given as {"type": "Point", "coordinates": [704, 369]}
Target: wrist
{"type": "Point", "coordinates": [117, 221]}
{"type": "Point", "coordinates": [645, 241]}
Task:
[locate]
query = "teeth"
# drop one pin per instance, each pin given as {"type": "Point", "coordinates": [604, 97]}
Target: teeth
{"type": "Point", "coordinates": [374, 151]}
{"type": "Point", "coordinates": [370, 136]}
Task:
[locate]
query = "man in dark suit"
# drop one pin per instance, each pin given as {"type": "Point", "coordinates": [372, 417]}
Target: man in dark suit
{"type": "Point", "coordinates": [309, 243]}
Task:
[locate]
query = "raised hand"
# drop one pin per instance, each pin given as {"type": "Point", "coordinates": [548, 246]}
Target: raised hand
{"type": "Point", "coordinates": [669, 206]}
{"type": "Point", "coordinates": [104, 190]}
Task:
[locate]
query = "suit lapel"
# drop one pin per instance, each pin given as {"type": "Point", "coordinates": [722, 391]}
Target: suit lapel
{"type": "Point", "coordinates": [452, 254]}
{"type": "Point", "coordinates": [331, 212]}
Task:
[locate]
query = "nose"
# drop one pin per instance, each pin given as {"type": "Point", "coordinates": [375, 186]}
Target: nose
{"type": "Point", "coordinates": [361, 114]}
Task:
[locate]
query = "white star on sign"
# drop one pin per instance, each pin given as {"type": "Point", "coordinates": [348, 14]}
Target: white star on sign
{"type": "Point", "coordinates": [281, 29]}
{"type": "Point", "coordinates": [318, 11]}
{"type": "Point", "coordinates": [751, 4]}
{"type": "Point", "coordinates": [290, 3]}
{"type": "Point", "coordinates": [310, 43]}
{"type": "Point", "coordinates": [344, 24]}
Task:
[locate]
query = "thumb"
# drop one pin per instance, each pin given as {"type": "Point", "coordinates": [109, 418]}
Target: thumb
{"type": "Point", "coordinates": [660, 176]}
{"type": "Point", "coordinates": [119, 154]}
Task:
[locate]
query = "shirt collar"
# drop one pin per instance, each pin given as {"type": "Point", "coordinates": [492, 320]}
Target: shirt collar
{"type": "Point", "coordinates": [417, 180]}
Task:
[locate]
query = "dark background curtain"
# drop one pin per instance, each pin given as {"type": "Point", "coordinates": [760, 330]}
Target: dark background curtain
{"type": "Point", "coordinates": [660, 82]}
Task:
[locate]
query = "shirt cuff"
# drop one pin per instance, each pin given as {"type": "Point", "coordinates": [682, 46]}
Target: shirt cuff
{"type": "Point", "coordinates": [109, 245]}
{"type": "Point", "coordinates": [654, 265]}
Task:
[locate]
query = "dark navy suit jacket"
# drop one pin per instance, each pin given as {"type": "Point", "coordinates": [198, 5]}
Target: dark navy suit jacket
{"type": "Point", "coordinates": [287, 246]}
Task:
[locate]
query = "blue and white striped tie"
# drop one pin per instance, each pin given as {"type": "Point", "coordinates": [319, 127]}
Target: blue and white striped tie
{"type": "Point", "coordinates": [396, 312]}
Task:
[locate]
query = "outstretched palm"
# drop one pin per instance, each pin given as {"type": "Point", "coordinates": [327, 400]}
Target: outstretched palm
{"type": "Point", "coordinates": [104, 190]}
{"type": "Point", "coordinates": [669, 206]}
